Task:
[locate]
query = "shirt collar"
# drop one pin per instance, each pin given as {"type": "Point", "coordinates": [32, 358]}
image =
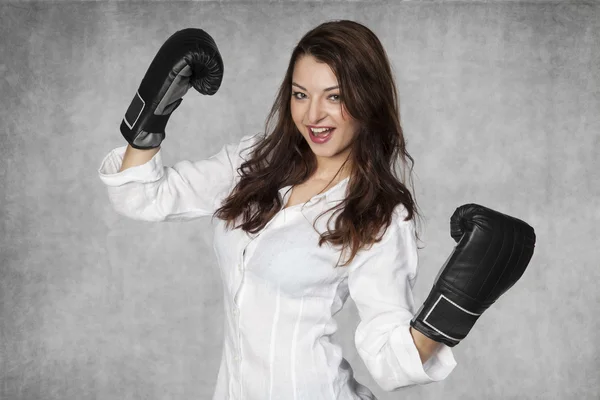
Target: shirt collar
{"type": "Point", "coordinates": [336, 193]}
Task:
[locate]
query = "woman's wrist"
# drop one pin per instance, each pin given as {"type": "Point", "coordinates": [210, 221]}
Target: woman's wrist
{"type": "Point", "coordinates": [426, 346]}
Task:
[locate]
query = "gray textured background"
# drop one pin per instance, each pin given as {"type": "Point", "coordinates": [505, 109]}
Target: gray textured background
{"type": "Point", "coordinates": [500, 106]}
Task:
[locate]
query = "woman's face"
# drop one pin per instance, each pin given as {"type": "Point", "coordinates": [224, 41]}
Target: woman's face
{"type": "Point", "coordinates": [316, 101]}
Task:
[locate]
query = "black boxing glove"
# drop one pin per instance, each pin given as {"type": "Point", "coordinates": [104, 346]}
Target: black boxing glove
{"type": "Point", "coordinates": [491, 254]}
{"type": "Point", "coordinates": [188, 58]}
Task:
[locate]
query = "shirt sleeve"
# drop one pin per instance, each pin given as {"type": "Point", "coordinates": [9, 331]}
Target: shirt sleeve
{"type": "Point", "coordinates": [381, 286]}
{"type": "Point", "coordinates": [182, 192]}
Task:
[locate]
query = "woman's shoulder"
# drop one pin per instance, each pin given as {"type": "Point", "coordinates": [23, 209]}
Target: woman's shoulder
{"type": "Point", "coordinates": [400, 214]}
{"type": "Point", "coordinates": [247, 143]}
{"type": "Point", "coordinates": [398, 224]}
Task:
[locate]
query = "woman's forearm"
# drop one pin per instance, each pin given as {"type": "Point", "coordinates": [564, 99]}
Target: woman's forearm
{"type": "Point", "coordinates": [425, 346]}
{"type": "Point", "coordinates": [134, 157]}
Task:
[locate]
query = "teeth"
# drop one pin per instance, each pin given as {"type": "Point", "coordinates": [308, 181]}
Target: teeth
{"type": "Point", "coordinates": [320, 131]}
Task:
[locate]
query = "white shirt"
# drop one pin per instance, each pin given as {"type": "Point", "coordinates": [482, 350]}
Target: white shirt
{"type": "Point", "coordinates": [281, 292]}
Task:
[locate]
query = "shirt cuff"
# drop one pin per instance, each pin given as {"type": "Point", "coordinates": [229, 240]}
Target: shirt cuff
{"type": "Point", "coordinates": [150, 171]}
{"type": "Point", "coordinates": [436, 368]}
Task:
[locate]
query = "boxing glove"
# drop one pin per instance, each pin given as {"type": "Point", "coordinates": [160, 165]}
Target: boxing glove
{"type": "Point", "coordinates": [188, 58]}
{"type": "Point", "coordinates": [492, 252]}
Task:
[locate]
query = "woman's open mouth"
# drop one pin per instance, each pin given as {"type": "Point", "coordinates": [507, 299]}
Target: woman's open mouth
{"type": "Point", "coordinates": [320, 137]}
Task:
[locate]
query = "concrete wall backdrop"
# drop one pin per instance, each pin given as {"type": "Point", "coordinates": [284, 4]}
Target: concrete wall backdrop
{"type": "Point", "coordinates": [500, 103]}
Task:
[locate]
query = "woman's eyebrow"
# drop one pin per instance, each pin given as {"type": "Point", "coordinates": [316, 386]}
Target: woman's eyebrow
{"type": "Point", "coordinates": [325, 90]}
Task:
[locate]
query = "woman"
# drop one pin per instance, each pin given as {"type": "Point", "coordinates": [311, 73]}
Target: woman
{"type": "Point", "coordinates": [289, 204]}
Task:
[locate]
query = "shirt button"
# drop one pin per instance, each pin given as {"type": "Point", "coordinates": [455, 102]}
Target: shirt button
{"type": "Point", "coordinates": [241, 267]}
{"type": "Point", "coordinates": [235, 311]}
{"type": "Point", "coordinates": [236, 358]}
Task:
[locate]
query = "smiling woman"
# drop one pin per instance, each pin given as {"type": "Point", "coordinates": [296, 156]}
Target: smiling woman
{"type": "Point", "coordinates": [338, 77]}
{"type": "Point", "coordinates": [331, 152]}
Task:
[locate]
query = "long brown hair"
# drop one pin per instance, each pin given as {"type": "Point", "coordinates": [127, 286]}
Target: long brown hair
{"type": "Point", "coordinates": [282, 157]}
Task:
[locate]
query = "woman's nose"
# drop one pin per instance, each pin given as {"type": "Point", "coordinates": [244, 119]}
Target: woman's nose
{"type": "Point", "coordinates": [316, 112]}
